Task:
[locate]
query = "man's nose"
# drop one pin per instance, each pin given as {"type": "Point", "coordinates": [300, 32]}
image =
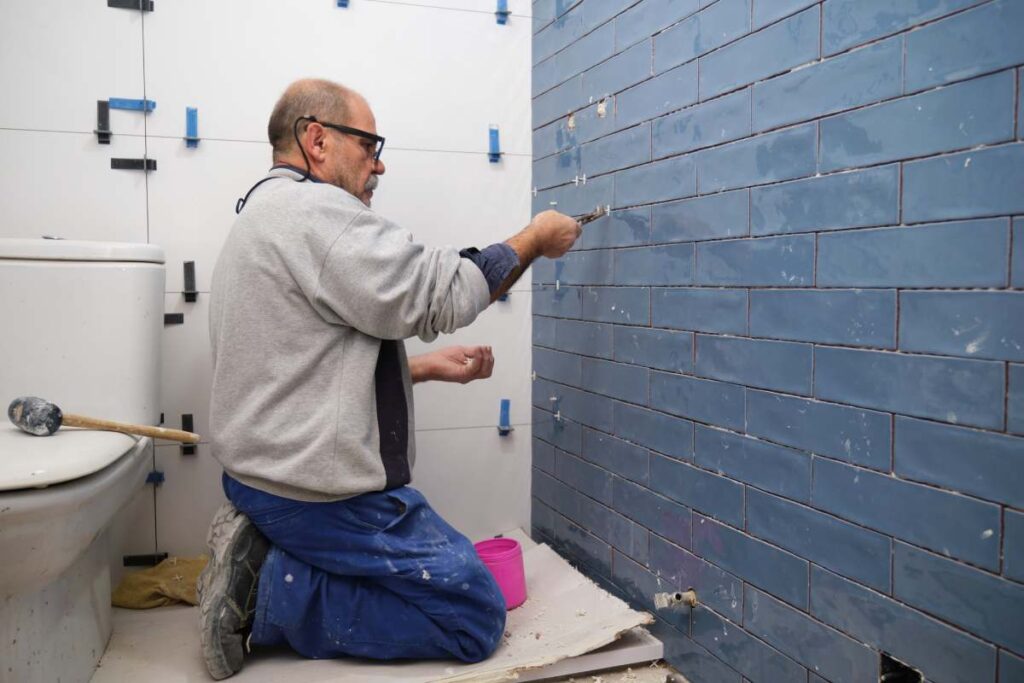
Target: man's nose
{"type": "Point", "coordinates": [378, 167]}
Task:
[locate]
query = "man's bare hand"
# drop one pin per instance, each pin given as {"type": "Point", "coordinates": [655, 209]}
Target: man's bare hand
{"type": "Point", "coordinates": [460, 364]}
{"type": "Point", "coordinates": [555, 233]}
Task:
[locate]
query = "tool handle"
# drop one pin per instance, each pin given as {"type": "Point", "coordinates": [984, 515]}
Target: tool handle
{"type": "Point", "coordinates": [125, 428]}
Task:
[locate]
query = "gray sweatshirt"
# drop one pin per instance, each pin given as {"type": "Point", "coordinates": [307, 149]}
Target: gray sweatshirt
{"type": "Point", "coordinates": [311, 297]}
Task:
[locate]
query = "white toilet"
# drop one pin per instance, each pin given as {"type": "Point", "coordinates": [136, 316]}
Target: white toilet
{"type": "Point", "coordinates": [80, 325]}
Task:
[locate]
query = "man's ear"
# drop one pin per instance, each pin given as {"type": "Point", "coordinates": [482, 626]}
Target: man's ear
{"type": "Point", "coordinates": [315, 141]}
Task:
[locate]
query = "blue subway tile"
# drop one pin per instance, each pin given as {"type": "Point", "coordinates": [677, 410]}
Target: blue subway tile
{"type": "Point", "coordinates": [698, 399]}
{"type": "Point", "coordinates": [710, 123]}
{"type": "Point", "coordinates": [783, 155]}
{"type": "Point", "coordinates": [973, 184]}
{"type": "Point", "coordinates": [909, 511]}
{"type": "Point", "coordinates": [1013, 545]}
{"type": "Point", "coordinates": [855, 22]}
{"type": "Point", "coordinates": [641, 585]}
{"type": "Point", "coordinates": [661, 515]}
{"type": "Point", "coordinates": [941, 653]}
{"type": "Point", "coordinates": [557, 169]}
{"type": "Point", "coordinates": [593, 516]}
{"type": "Point", "coordinates": [579, 544]}
{"type": "Point", "coordinates": [543, 456]}
{"type": "Point", "coordinates": [975, 42]}
{"type": "Point", "coordinates": [589, 339]}
{"type": "Point", "coordinates": [748, 655]}
{"type": "Point", "coordinates": [628, 228]}
{"type": "Point", "coordinates": [616, 455]}
{"type": "Point", "coordinates": [717, 589]}
{"type": "Point", "coordinates": [808, 641]}
{"type": "Point", "coordinates": [844, 548]}
{"type": "Point", "coordinates": [670, 91]}
{"type": "Point", "coordinates": [542, 519]}
{"type": "Point", "coordinates": [972, 324]}
{"type": "Point", "coordinates": [561, 433]}
{"type": "Point", "coordinates": [543, 13]}
{"type": "Point", "coordinates": [774, 468]}
{"type": "Point", "coordinates": [591, 49]}
{"type": "Point", "coordinates": [660, 349]}
{"type": "Point", "coordinates": [700, 309]}
{"type": "Point", "coordinates": [546, 75]}
{"type": "Point", "coordinates": [987, 465]}
{"type": "Point", "coordinates": [719, 215]}
{"type": "Point", "coordinates": [554, 137]}
{"type": "Point", "coordinates": [852, 317]}
{"type": "Point", "coordinates": [985, 605]}
{"type": "Point", "coordinates": [844, 200]}
{"type": "Point", "coordinates": [859, 436]}
{"type": "Point", "coordinates": [701, 33]}
{"type": "Point", "coordinates": [968, 254]}
{"type": "Point", "coordinates": [966, 392]}
{"type": "Point", "coordinates": [579, 406]}
{"type": "Point", "coordinates": [1015, 400]}
{"type": "Point", "coordinates": [552, 492]}
{"type": "Point", "coordinates": [630, 538]}
{"type": "Point", "coordinates": [964, 115]}
{"type": "Point", "coordinates": [544, 330]}
{"type": "Point", "coordinates": [1011, 667]}
{"type": "Point", "coordinates": [565, 302]}
{"type": "Point", "coordinates": [648, 17]}
{"type": "Point", "coordinates": [562, 31]}
{"type": "Point", "coordinates": [663, 180]}
{"type": "Point", "coordinates": [596, 12]}
{"type": "Point", "coordinates": [595, 267]}
{"type": "Point", "coordinates": [594, 121]}
{"type": "Point", "coordinates": [767, 11]}
{"type": "Point", "coordinates": [584, 477]}
{"type": "Point", "coordinates": [626, 382]}
{"type": "Point", "coordinates": [558, 102]}
{"type": "Point", "coordinates": [695, 663]}
{"type": "Point", "coordinates": [670, 264]}
{"type": "Point", "coordinates": [557, 366]}
{"type": "Point", "coordinates": [754, 362]}
{"type": "Point", "coordinates": [765, 261]}
{"type": "Point", "coordinates": [776, 571]}
{"type": "Point", "coordinates": [1017, 265]}
{"type": "Point", "coordinates": [711, 494]}
{"type": "Point", "coordinates": [626, 148]}
{"type": "Point", "coordinates": [626, 305]}
{"type": "Point", "coordinates": [619, 72]}
{"type": "Point", "coordinates": [663, 433]}
{"type": "Point", "coordinates": [844, 82]}
{"type": "Point", "coordinates": [772, 50]}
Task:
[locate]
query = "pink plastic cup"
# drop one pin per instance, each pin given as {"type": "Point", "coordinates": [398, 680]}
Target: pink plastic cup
{"type": "Point", "coordinates": [504, 557]}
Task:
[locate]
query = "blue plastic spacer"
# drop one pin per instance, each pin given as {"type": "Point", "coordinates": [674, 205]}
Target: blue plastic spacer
{"type": "Point", "coordinates": [495, 153]}
{"type": "Point", "coordinates": [191, 127]}
{"type": "Point", "coordinates": [133, 105]}
{"type": "Point", "coordinates": [155, 477]}
{"type": "Point", "coordinates": [504, 423]}
{"type": "Point", "coordinates": [502, 12]}
{"type": "Point", "coordinates": [503, 297]}
{"type": "Point", "coordinates": [342, 3]}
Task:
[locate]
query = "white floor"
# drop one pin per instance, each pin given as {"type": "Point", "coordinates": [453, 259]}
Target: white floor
{"type": "Point", "coordinates": [564, 628]}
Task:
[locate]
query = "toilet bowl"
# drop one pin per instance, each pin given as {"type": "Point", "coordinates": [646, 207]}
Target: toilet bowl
{"type": "Point", "coordinates": [80, 325]}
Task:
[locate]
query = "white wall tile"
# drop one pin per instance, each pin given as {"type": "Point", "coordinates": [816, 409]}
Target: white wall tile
{"type": "Point", "coordinates": [478, 481]}
{"type": "Point", "coordinates": [59, 59]}
{"type": "Point", "coordinates": [187, 499]}
{"type": "Point", "coordinates": [187, 365]}
{"type": "Point", "coordinates": [435, 79]}
{"type": "Point", "coordinates": [62, 184]}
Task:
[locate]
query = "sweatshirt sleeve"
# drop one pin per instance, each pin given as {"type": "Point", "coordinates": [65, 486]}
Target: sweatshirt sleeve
{"type": "Point", "coordinates": [378, 280]}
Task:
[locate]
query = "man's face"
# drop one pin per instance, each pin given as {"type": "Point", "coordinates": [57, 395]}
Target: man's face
{"type": "Point", "coordinates": [352, 165]}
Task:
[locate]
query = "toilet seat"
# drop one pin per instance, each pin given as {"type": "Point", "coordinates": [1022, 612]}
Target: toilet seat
{"type": "Point", "coordinates": [28, 461]}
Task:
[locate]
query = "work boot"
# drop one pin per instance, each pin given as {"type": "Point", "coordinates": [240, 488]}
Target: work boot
{"type": "Point", "coordinates": [227, 589]}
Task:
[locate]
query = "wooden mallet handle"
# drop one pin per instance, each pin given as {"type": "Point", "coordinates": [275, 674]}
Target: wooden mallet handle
{"type": "Point", "coordinates": [125, 428]}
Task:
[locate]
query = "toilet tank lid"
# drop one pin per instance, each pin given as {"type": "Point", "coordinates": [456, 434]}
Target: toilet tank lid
{"type": "Point", "coordinates": [79, 250]}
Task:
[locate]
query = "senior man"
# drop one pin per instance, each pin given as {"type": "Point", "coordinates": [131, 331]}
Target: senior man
{"type": "Point", "coordinates": [324, 546]}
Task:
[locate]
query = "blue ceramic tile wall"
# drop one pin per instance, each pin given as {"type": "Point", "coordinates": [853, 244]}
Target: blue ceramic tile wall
{"type": "Point", "coordinates": [787, 370]}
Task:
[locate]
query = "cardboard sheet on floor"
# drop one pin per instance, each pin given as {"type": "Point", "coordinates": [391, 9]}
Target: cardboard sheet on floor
{"type": "Point", "coordinates": [565, 615]}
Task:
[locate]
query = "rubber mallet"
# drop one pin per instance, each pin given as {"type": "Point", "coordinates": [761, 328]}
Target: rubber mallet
{"type": "Point", "coordinates": [39, 417]}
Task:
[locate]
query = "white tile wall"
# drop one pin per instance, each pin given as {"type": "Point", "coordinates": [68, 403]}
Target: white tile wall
{"type": "Point", "coordinates": [436, 72]}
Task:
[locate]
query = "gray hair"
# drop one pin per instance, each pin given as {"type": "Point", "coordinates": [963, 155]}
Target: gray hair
{"type": "Point", "coordinates": [326, 100]}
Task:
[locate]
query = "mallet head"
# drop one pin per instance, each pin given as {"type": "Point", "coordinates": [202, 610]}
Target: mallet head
{"type": "Point", "coordinates": [35, 415]}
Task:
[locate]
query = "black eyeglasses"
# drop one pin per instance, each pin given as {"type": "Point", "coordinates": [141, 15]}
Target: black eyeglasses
{"type": "Point", "coordinates": [377, 140]}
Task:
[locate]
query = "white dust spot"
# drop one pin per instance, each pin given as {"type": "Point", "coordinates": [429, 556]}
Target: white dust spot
{"type": "Point", "coordinates": [288, 578]}
{"type": "Point", "coordinates": [426, 575]}
{"type": "Point", "coordinates": [987, 533]}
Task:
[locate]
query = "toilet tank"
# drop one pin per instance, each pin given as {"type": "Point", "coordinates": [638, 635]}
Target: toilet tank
{"type": "Point", "coordinates": [80, 326]}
